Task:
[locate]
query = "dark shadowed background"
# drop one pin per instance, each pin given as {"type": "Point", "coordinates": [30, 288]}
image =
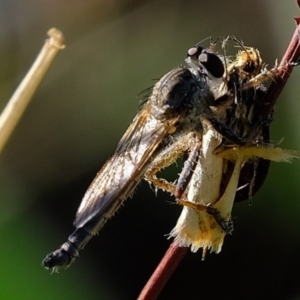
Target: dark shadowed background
{"type": "Point", "coordinates": [114, 51]}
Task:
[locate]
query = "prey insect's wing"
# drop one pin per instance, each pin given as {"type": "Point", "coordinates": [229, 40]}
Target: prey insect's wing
{"type": "Point", "coordinates": [122, 172]}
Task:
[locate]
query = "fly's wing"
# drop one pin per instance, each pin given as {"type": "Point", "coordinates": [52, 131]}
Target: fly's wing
{"type": "Point", "coordinates": [123, 171]}
{"type": "Point", "coordinates": [169, 110]}
{"type": "Point", "coordinates": [160, 116]}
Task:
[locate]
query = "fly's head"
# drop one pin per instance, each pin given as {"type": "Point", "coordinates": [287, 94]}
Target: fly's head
{"type": "Point", "coordinates": [208, 67]}
{"type": "Point", "coordinates": [204, 61]}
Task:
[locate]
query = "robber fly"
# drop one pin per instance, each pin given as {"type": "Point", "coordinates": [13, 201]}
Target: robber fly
{"type": "Point", "coordinates": [216, 172]}
{"type": "Point", "coordinates": [157, 135]}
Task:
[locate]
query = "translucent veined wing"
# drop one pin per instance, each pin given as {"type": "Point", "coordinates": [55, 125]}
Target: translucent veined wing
{"type": "Point", "coordinates": [174, 106]}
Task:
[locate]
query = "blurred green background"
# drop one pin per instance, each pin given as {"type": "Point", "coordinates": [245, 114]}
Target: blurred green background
{"type": "Point", "coordinates": [114, 51]}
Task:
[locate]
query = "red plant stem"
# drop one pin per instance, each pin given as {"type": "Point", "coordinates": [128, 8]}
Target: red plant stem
{"type": "Point", "coordinates": [163, 272]}
{"type": "Point", "coordinates": [175, 254]}
{"type": "Point", "coordinates": [288, 61]}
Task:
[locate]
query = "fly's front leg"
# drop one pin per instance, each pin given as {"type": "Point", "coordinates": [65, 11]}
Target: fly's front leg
{"type": "Point", "coordinates": [168, 157]}
{"type": "Point", "coordinates": [225, 130]}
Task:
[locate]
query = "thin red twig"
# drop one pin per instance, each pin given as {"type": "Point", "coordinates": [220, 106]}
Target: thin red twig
{"type": "Point", "coordinates": [288, 61]}
{"type": "Point", "coordinates": [163, 272]}
{"type": "Point", "coordinates": [175, 254]}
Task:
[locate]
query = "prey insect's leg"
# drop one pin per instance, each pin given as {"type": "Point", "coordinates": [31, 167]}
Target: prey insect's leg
{"type": "Point", "coordinates": [265, 75]}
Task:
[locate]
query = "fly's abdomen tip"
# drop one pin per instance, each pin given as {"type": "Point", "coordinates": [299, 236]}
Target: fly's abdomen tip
{"type": "Point", "coordinates": [62, 257]}
{"type": "Point", "coordinates": [58, 258]}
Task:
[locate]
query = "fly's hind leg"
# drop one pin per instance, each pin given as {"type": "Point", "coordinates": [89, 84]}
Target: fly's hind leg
{"type": "Point", "coordinates": [227, 226]}
{"type": "Point", "coordinates": [191, 143]}
{"type": "Point", "coordinates": [163, 160]}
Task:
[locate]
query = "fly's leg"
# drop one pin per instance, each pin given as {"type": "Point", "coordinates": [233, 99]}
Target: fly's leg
{"type": "Point", "coordinates": [183, 182]}
{"type": "Point", "coordinates": [165, 159]}
{"type": "Point", "coordinates": [188, 171]}
{"type": "Point", "coordinates": [191, 143]}
{"type": "Point", "coordinates": [225, 130]}
{"type": "Point", "coordinates": [168, 157]}
{"type": "Point", "coordinates": [227, 226]}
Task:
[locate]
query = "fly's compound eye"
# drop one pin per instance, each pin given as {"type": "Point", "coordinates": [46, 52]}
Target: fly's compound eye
{"type": "Point", "coordinates": [209, 61]}
{"type": "Point", "coordinates": [212, 63]}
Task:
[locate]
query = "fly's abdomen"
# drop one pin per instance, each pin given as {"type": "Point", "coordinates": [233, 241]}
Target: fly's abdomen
{"type": "Point", "coordinates": [68, 251]}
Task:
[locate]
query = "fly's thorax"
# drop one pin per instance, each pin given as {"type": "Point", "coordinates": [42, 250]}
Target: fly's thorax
{"type": "Point", "coordinates": [180, 94]}
{"type": "Point", "coordinates": [173, 93]}
{"type": "Point", "coordinates": [191, 120]}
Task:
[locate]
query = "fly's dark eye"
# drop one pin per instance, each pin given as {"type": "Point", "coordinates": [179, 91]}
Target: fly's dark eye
{"type": "Point", "coordinates": [209, 61]}
{"type": "Point", "coordinates": [212, 63]}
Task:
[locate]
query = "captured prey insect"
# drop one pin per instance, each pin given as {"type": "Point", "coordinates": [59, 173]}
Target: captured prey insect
{"type": "Point", "coordinates": [179, 102]}
{"type": "Point", "coordinates": [216, 172]}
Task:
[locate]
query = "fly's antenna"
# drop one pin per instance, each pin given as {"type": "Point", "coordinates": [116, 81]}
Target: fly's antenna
{"type": "Point", "coordinates": [202, 41]}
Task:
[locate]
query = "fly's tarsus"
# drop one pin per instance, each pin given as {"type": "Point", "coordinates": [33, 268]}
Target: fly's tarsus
{"type": "Point", "coordinates": [227, 226]}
